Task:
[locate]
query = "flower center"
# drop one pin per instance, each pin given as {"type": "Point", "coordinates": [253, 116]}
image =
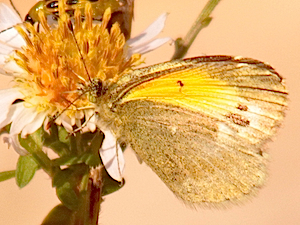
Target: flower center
{"type": "Point", "coordinates": [59, 61]}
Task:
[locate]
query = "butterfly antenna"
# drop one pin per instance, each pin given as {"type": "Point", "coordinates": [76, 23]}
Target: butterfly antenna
{"type": "Point", "coordinates": [70, 25]}
{"type": "Point", "coordinates": [14, 7]}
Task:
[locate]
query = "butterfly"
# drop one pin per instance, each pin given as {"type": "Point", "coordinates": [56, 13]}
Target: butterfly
{"type": "Point", "coordinates": [201, 124]}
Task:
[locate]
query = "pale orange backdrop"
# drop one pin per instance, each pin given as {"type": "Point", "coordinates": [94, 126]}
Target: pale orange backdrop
{"type": "Point", "coordinates": [267, 30]}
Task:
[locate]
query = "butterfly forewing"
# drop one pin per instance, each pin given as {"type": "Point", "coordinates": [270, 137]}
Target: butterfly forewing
{"type": "Point", "coordinates": [201, 123]}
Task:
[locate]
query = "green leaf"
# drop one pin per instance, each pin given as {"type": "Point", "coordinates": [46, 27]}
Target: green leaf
{"type": "Point", "coordinates": [89, 159]}
{"type": "Point", "coordinates": [60, 214]}
{"type": "Point", "coordinates": [110, 185]}
{"type": "Point", "coordinates": [58, 147]}
{"type": "Point", "coordinates": [52, 140]}
{"type": "Point", "coordinates": [26, 168]}
{"type": "Point", "coordinates": [63, 135]}
{"type": "Point", "coordinates": [33, 143]}
{"type": "Point", "coordinates": [68, 196]}
{"type": "Point", "coordinates": [7, 175]}
{"type": "Point", "coordinates": [68, 182]}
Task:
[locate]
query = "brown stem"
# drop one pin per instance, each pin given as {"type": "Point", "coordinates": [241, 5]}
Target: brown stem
{"type": "Point", "coordinates": [95, 198]}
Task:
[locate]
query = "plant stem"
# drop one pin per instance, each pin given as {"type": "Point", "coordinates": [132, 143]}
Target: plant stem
{"type": "Point", "coordinates": [94, 195]}
{"type": "Point", "coordinates": [203, 20]}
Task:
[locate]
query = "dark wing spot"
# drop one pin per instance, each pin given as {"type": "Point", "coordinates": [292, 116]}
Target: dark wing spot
{"type": "Point", "coordinates": [179, 82]}
{"type": "Point", "coordinates": [242, 107]}
{"type": "Point", "coordinates": [238, 119]}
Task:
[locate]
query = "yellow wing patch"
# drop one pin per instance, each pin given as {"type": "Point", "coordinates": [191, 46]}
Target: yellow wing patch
{"type": "Point", "coordinates": [191, 88]}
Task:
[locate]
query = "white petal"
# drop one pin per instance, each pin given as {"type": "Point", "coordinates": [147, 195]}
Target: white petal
{"type": "Point", "coordinates": [90, 122]}
{"type": "Point", "coordinates": [79, 114]}
{"type": "Point", "coordinates": [90, 125]}
{"type": "Point", "coordinates": [14, 141]}
{"type": "Point", "coordinates": [12, 67]}
{"type": "Point", "coordinates": [58, 120]}
{"type": "Point", "coordinates": [112, 156]}
{"type": "Point", "coordinates": [151, 32]}
{"type": "Point", "coordinates": [7, 96]}
{"type": "Point", "coordinates": [12, 38]}
{"type": "Point", "coordinates": [14, 111]}
{"type": "Point", "coordinates": [142, 49]}
{"type": "Point", "coordinates": [66, 122]}
{"type": "Point", "coordinates": [88, 113]}
{"type": "Point", "coordinates": [9, 35]}
{"type": "Point", "coordinates": [8, 17]}
{"type": "Point", "coordinates": [26, 116]}
{"type": "Point", "coordinates": [4, 51]}
{"type": "Point", "coordinates": [78, 123]}
{"type": "Point", "coordinates": [34, 125]}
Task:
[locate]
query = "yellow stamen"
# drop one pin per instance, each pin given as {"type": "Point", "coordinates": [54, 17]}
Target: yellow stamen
{"type": "Point", "coordinates": [59, 61]}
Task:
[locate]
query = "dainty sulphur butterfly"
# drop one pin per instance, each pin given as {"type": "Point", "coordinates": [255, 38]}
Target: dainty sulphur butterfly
{"type": "Point", "coordinates": [200, 123]}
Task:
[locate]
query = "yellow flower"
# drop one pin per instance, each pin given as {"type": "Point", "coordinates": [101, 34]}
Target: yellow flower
{"type": "Point", "coordinates": [56, 71]}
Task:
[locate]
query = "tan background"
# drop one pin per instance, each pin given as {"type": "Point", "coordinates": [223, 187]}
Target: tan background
{"type": "Point", "coordinates": [268, 30]}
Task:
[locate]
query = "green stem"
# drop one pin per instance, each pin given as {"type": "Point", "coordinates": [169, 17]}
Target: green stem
{"type": "Point", "coordinates": [203, 20]}
{"type": "Point", "coordinates": [34, 144]}
{"type": "Point", "coordinates": [44, 162]}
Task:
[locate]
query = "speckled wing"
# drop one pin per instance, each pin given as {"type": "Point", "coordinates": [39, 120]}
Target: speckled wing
{"type": "Point", "coordinates": [201, 123]}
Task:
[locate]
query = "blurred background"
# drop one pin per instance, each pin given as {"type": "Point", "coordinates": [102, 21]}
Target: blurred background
{"type": "Point", "coordinates": [267, 30]}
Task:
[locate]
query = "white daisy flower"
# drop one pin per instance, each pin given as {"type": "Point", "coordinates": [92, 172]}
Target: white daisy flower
{"type": "Point", "coordinates": [52, 77]}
